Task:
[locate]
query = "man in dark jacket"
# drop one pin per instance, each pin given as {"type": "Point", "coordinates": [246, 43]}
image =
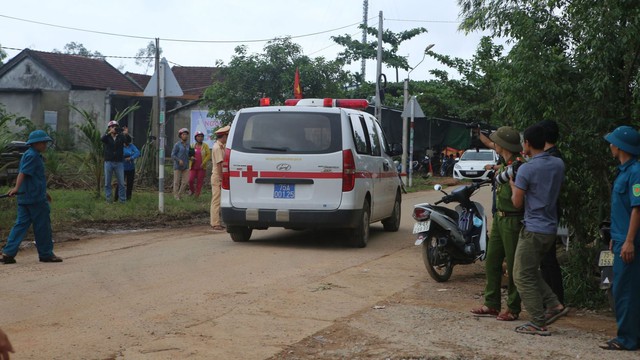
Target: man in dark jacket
{"type": "Point", "coordinates": [113, 142]}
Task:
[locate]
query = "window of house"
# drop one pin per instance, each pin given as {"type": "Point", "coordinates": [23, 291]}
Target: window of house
{"type": "Point", "coordinates": [51, 120]}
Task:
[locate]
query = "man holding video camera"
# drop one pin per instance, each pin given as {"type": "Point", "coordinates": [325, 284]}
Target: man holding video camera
{"type": "Point", "coordinates": [507, 222]}
{"type": "Point", "coordinates": [536, 189]}
{"type": "Point", "coordinates": [113, 142]}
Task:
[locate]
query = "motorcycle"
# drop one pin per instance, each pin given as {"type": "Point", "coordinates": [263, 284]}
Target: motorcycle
{"type": "Point", "coordinates": [451, 237]}
{"type": "Point", "coordinates": [605, 263]}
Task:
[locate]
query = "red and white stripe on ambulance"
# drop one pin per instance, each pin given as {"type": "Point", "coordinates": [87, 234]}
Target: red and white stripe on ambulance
{"type": "Point", "coordinates": [317, 178]}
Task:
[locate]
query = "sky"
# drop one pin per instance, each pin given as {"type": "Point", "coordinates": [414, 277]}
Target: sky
{"type": "Point", "coordinates": [308, 22]}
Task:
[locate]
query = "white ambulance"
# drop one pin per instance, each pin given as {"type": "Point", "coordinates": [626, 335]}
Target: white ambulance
{"type": "Point", "coordinates": [314, 164]}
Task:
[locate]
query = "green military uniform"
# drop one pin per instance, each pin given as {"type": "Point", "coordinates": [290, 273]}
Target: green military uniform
{"type": "Point", "coordinates": [507, 222]}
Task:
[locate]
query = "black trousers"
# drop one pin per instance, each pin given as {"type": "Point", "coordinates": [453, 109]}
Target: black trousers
{"type": "Point", "coordinates": [552, 273]}
{"type": "Point", "coordinates": [129, 175]}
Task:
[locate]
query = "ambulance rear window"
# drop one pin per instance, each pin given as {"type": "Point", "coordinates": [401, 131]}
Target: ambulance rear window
{"type": "Point", "coordinates": [283, 132]}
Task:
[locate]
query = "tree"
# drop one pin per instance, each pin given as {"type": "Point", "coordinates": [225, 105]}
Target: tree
{"type": "Point", "coordinates": [146, 56]}
{"type": "Point", "coordinates": [3, 55]}
{"type": "Point", "coordinates": [576, 62]}
{"type": "Point", "coordinates": [249, 77]}
{"type": "Point", "coordinates": [74, 48]}
{"type": "Point", "coordinates": [355, 50]}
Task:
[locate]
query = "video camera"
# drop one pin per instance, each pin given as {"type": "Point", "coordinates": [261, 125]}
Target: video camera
{"type": "Point", "coordinates": [509, 173]}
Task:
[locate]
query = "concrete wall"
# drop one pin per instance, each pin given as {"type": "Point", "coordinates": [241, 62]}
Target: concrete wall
{"type": "Point", "coordinates": [21, 104]}
{"type": "Point", "coordinates": [29, 75]}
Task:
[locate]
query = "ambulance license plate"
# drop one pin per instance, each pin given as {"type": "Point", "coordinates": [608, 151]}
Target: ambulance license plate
{"type": "Point", "coordinates": [606, 258]}
{"type": "Point", "coordinates": [421, 227]}
{"type": "Point", "coordinates": [284, 191]}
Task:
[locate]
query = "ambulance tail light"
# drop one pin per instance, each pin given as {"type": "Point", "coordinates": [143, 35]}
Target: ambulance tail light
{"type": "Point", "coordinates": [225, 169]}
{"type": "Point", "coordinates": [291, 102]}
{"type": "Point", "coordinates": [348, 171]}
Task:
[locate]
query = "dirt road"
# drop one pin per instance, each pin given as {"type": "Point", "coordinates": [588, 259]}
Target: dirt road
{"type": "Point", "coordinates": [187, 293]}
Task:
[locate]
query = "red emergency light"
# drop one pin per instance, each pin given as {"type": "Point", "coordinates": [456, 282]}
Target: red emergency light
{"type": "Point", "coordinates": [352, 103]}
{"type": "Point", "coordinates": [265, 101]}
{"type": "Point", "coordinates": [329, 102]}
{"type": "Point", "coordinates": [291, 102]}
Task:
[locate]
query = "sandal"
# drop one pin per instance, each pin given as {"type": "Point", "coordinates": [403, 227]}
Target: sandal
{"type": "Point", "coordinates": [551, 315]}
{"type": "Point", "coordinates": [612, 344]}
{"type": "Point", "coordinates": [507, 316]}
{"type": "Point", "coordinates": [218, 228]}
{"type": "Point", "coordinates": [532, 329]}
{"type": "Point", "coordinates": [484, 311]}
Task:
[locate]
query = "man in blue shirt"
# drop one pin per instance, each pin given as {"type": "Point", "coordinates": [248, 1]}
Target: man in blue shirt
{"type": "Point", "coordinates": [33, 202]}
{"type": "Point", "coordinates": [625, 238]}
{"type": "Point", "coordinates": [536, 188]}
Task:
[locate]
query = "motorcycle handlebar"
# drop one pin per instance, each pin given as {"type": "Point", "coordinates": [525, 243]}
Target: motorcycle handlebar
{"type": "Point", "coordinates": [448, 198]}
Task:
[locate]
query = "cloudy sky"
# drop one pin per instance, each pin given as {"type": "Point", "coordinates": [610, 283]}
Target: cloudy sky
{"type": "Point", "coordinates": [220, 26]}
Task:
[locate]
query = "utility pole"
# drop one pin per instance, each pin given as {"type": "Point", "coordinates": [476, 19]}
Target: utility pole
{"type": "Point", "coordinates": [405, 128]}
{"type": "Point", "coordinates": [161, 131]}
{"type": "Point", "coordinates": [365, 20]}
{"type": "Point", "coordinates": [378, 112]}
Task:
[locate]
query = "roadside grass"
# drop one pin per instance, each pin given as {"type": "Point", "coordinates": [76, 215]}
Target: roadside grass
{"type": "Point", "coordinates": [418, 183]}
{"type": "Point", "coordinates": [70, 208]}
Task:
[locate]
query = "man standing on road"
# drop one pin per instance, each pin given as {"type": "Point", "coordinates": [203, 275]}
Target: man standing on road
{"type": "Point", "coordinates": [536, 188]}
{"type": "Point", "coordinates": [625, 238]}
{"type": "Point", "coordinates": [217, 155]}
{"type": "Point", "coordinates": [33, 203]}
{"type": "Point", "coordinates": [113, 142]}
{"type": "Point", "coordinates": [180, 157]}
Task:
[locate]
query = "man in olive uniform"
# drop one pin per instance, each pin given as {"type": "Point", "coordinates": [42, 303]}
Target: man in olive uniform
{"type": "Point", "coordinates": [507, 222]}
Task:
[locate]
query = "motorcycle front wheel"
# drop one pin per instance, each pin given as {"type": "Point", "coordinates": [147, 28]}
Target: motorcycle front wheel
{"type": "Point", "coordinates": [438, 263]}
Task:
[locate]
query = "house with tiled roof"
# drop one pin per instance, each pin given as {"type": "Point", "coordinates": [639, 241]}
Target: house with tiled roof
{"type": "Point", "coordinates": [41, 85]}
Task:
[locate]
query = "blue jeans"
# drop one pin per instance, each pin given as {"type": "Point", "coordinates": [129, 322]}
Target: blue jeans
{"type": "Point", "coordinates": [626, 294]}
{"type": "Point", "coordinates": [39, 215]}
{"type": "Point", "coordinates": [118, 168]}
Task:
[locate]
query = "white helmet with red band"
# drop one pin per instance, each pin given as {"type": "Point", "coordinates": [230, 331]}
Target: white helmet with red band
{"type": "Point", "coordinates": [182, 131]}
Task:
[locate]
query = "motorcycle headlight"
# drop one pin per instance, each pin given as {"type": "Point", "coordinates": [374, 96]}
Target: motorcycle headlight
{"type": "Point", "coordinates": [420, 214]}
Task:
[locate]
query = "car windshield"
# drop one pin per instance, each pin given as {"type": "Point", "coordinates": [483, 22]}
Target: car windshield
{"type": "Point", "coordinates": [472, 155]}
{"type": "Point", "coordinates": [284, 132]}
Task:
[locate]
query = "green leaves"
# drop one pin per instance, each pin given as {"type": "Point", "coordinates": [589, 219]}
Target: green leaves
{"type": "Point", "coordinates": [249, 77]}
{"type": "Point", "coordinates": [355, 50]}
{"type": "Point", "coordinates": [576, 62]}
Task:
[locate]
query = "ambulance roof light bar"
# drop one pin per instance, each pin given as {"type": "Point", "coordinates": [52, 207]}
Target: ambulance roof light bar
{"type": "Point", "coordinates": [329, 102]}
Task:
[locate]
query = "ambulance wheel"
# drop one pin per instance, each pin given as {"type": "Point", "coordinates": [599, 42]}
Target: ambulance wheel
{"type": "Point", "coordinates": [392, 223]}
{"type": "Point", "coordinates": [360, 235]}
{"type": "Point", "coordinates": [240, 233]}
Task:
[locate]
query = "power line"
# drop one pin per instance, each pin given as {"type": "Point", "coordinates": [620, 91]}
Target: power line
{"type": "Point", "coordinates": [426, 21]}
{"type": "Point", "coordinates": [176, 40]}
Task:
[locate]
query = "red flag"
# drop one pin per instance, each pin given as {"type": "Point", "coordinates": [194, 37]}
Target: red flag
{"type": "Point", "coordinates": [297, 90]}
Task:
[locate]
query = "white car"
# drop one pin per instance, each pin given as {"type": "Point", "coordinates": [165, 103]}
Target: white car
{"type": "Point", "coordinates": [315, 164]}
{"type": "Point", "coordinates": [472, 164]}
